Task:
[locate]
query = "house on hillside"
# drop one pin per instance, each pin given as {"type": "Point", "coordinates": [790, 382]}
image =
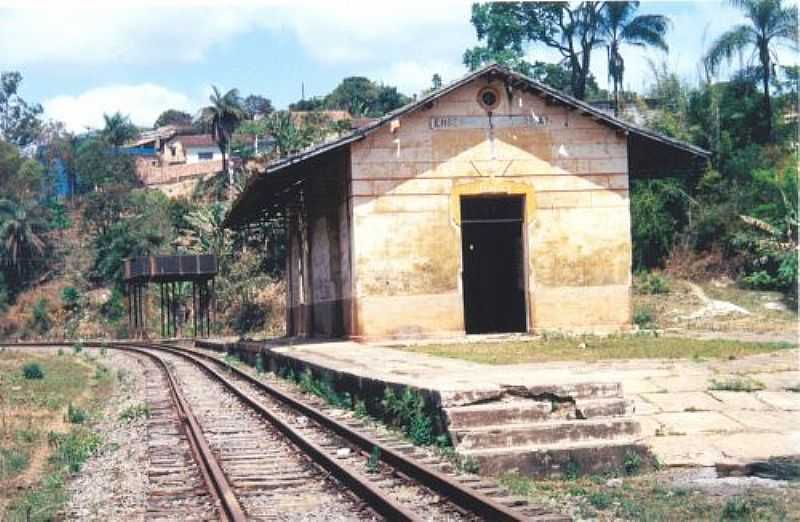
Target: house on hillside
{"type": "Point", "coordinates": [171, 155]}
{"type": "Point", "coordinates": [191, 148]}
{"type": "Point", "coordinates": [494, 204]}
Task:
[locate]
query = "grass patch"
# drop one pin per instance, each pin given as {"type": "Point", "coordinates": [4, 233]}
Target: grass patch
{"type": "Point", "coordinates": [45, 501]}
{"type": "Point", "coordinates": [32, 411]}
{"type": "Point", "coordinates": [649, 497]}
{"type": "Point", "coordinates": [736, 384]}
{"type": "Point", "coordinates": [592, 348]}
{"type": "Point", "coordinates": [13, 461]}
{"type": "Point", "coordinates": [135, 412]}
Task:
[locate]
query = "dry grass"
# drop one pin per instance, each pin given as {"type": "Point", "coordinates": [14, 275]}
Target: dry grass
{"type": "Point", "coordinates": [655, 497]}
{"type": "Point", "coordinates": [670, 310]}
{"type": "Point", "coordinates": [32, 411]}
{"type": "Point", "coordinates": [589, 349]}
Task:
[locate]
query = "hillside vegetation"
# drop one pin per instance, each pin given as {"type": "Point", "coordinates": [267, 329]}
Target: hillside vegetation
{"type": "Point", "coordinates": [72, 209]}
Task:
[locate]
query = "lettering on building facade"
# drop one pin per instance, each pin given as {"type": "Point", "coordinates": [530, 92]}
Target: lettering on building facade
{"type": "Point", "coordinates": [488, 122]}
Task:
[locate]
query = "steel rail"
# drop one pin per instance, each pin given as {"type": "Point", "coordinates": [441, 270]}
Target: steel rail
{"type": "Point", "coordinates": [357, 482]}
{"type": "Point", "coordinates": [465, 497]}
{"type": "Point", "coordinates": [207, 462]}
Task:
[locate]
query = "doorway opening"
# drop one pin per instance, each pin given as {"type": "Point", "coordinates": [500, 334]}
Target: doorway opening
{"type": "Point", "coordinates": [493, 270]}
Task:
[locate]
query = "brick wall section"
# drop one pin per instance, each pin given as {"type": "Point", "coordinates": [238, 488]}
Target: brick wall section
{"type": "Point", "coordinates": [150, 174]}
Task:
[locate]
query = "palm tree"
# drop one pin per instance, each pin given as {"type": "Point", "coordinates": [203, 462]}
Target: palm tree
{"type": "Point", "coordinates": [118, 129]}
{"type": "Point", "coordinates": [770, 25]}
{"type": "Point", "coordinates": [20, 234]}
{"type": "Point", "coordinates": [222, 117]}
{"type": "Point", "coordinates": [620, 27]}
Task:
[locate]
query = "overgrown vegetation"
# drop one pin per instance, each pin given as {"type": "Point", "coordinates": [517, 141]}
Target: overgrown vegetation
{"type": "Point", "coordinates": [650, 496]}
{"type": "Point", "coordinates": [408, 410]}
{"type": "Point", "coordinates": [135, 412]}
{"type": "Point", "coordinates": [736, 384]}
{"type": "Point", "coordinates": [37, 454]}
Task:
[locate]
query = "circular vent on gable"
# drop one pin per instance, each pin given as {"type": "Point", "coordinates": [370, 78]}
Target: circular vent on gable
{"type": "Point", "coordinates": [489, 98]}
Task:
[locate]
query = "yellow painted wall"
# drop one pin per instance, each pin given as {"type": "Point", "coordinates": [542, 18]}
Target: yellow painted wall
{"type": "Point", "coordinates": [406, 229]}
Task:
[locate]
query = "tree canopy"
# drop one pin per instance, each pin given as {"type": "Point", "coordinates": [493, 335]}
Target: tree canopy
{"type": "Point", "coordinates": [359, 96]}
{"type": "Point", "coordinates": [19, 120]}
{"type": "Point", "coordinates": [173, 117]}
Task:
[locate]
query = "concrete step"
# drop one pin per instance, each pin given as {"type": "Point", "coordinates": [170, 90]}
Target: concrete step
{"type": "Point", "coordinates": [498, 413]}
{"type": "Point", "coordinates": [551, 432]}
{"type": "Point", "coordinates": [563, 459]}
{"type": "Point", "coordinates": [567, 391]}
{"type": "Point", "coordinates": [593, 408]}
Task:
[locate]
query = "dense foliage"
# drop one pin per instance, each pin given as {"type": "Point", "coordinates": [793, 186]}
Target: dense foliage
{"type": "Point", "coordinates": [738, 218]}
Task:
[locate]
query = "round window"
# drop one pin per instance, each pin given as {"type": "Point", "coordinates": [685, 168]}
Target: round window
{"type": "Point", "coordinates": [488, 98]}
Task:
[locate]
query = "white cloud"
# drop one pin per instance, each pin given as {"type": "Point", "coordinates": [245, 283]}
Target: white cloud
{"type": "Point", "coordinates": [414, 76]}
{"type": "Point", "coordinates": [67, 34]}
{"type": "Point", "coordinates": [331, 32]}
{"type": "Point", "coordinates": [143, 103]}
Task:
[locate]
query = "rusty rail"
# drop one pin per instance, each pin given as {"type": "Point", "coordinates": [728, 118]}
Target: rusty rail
{"type": "Point", "coordinates": [206, 461]}
{"type": "Point", "coordinates": [466, 498]}
{"type": "Point", "coordinates": [463, 496]}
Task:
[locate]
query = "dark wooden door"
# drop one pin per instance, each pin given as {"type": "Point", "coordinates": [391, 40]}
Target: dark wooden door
{"type": "Point", "coordinates": [493, 274]}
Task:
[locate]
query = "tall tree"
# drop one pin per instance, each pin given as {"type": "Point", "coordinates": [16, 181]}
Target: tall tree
{"type": "Point", "coordinates": [222, 117]}
{"type": "Point", "coordinates": [118, 129]}
{"type": "Point", "coordinates": [173, 117]}
{"type": "Point", "coordinates": [770, 24]}
{"type": "Point", "coordinates": [19, 120]}
{"type": "Point", "coordinates": [256, 105]}
{"type": "Point", "coordinates": [21, 236]}
{"type": "Point", "coordinates": [509, 27]}
{"type": "Point", "coordinates": [620, 27]}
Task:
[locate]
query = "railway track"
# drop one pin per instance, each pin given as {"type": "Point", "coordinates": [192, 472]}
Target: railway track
{"type": "Point", "coordinates": [266, 454]}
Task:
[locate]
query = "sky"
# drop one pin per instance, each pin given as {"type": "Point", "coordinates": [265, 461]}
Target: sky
{"type": "Point", "coordinates": [80, 59]}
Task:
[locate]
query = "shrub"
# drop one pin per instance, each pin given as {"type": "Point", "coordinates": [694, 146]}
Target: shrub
{"type": "Point", "coordinates": [77, 348]}
{"type": "Point", "coordinates": [76, 415]}
{"type": "Point", "coordinates": [737, 508]}
{"type": "Point", "coordinates": [40, 321]}
{"type": "Point", "coordinates": [32, 371]}
{"type": "Point", "coordinates": [651, 283]}
{"type": "Point", "coordinates": [12, 462]}
{"type": "Point", "coordinates": [134, 412]}
{"type": "Point", "coordinates": [600, 500]}
{"type": "Point", "coordinates": [70, 299]}
{"type": "Point", "coordinates": [643, 317]}
{"type": "Point", "coordinates": [632, 462]}
{"type": "Point", "coordinates": [248, 318]}
{"type": "Point", "coordinates": [409, 412]}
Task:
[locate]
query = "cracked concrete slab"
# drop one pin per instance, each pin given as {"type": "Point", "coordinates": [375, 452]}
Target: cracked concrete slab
{"type": "Point", "coordinates": [789, 401]}
{"type": "Point", "coordinates": [739, 426]}
{"type": "Point", "coordinates": [684, 401]}
{"type": "Point", "coordinates": [732, 400]}
{"type": "Point", "coordinates": [698, 422]}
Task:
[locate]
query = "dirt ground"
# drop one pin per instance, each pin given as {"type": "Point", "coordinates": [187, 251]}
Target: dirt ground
{"type": "Point", "coordinates": [718, 308]}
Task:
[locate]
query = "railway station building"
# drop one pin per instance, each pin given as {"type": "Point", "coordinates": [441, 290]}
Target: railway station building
{"type": "Point", "coordinates": [493, 204]}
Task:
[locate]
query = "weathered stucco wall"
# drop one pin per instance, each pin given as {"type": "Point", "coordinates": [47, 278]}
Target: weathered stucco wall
{"type": "Point", "coordinates": [318, 272]}
{"type": "Point", "coordinates": [406, 228]}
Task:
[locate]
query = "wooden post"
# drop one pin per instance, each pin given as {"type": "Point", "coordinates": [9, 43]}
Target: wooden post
{"type": "Point", "coordinates": [194, 308]}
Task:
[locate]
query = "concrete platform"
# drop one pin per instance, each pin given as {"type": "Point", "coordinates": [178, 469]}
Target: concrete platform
{"type": "Point", "coordinates": [554, 413]}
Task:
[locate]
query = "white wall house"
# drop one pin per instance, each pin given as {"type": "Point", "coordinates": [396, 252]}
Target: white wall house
{"type": "Point", "coordinates": [198, 154]}
{"type": "Point", "coordinates": [190, 149]}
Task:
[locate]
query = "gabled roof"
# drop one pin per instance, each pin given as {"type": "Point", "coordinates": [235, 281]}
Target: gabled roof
{"type": "Point", "coordinates": [195, 140]}
{"type": "Point", "coordinates": [514, 79]}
